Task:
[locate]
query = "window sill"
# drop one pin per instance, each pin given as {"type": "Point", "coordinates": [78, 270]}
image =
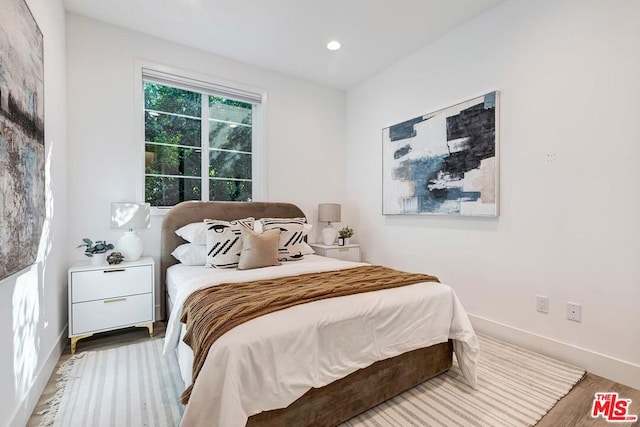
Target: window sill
{"type": "Point", "coordinates": [155, 211]}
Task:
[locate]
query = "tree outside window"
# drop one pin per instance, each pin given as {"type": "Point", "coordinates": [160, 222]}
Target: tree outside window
{"type": "Point", "coordinates": [176, 125]}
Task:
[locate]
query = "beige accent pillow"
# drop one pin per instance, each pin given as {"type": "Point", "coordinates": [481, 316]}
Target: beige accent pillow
{"type": "Point", "coordinates": [258, 249]}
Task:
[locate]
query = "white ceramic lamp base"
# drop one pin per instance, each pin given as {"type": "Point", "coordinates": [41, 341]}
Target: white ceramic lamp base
{"type": "Point", "coordinates": [130, 246]}
{"type": "Point", "coordinates": [329, 235]}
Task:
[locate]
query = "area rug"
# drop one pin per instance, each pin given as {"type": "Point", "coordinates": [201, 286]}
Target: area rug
{"type": "Point", "coordinates": [135, 386]}
{"type": "Point", "coordinates": [516, 387]}
{"type": "Point", "coordinates": [127, 386]}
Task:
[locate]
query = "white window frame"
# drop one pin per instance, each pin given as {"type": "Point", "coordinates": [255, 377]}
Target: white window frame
{"type": "Point", "coordinates": [174, 76]}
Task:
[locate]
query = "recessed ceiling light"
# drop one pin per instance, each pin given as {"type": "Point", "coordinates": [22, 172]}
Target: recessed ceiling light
{"type": "Point", "coordinates": [333, 45]}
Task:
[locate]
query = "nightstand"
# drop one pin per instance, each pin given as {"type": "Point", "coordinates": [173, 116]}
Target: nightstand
{"type": "Point", "coordinates": [346, 252]}
{"type": "Point", "coordinates": [107, 297]}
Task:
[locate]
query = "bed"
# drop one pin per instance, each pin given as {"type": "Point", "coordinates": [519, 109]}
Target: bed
{"type": "Point", "coordinates": [240, 383]}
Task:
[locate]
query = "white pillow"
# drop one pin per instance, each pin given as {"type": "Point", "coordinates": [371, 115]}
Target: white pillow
{"type": "Point", "coordinates": [196, 232]}
{"type": "Point", "coordinates": [191, 254]}
{"type": "Point", "coordinates": [224, 241]}
{"type": "Point", "coordinates": [291, 246]}
{"type": "Point", "coordinates": [306, 249]}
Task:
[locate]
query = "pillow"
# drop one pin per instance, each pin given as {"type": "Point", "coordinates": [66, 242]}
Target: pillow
{"type": "Point", "coordinates": [307, 250]}
{"type": "Point", "coordinates": [224, 243]}
{"type": "Point", "coordinates": [292, 234]}
{"type": "Point", "coordinates": [196, 232]}
{"type": "Point", "coordinates": [258, 249]}
{"type": "Point", "coordinates": [191, 254]}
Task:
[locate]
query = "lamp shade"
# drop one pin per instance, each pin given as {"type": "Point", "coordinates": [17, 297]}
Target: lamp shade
{"type": "Point", "coordinates": [130, 215]}
{"type": "Point", "coordinates": [329, 212]}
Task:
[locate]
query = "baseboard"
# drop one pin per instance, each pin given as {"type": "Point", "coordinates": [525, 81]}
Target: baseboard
{"type": "Point", "coordinates": [621, 371]}
{"type": "Point", "coordinates": [23, 412]}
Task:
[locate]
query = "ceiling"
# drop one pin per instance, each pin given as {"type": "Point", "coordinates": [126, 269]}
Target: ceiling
{"type": "Point", "coordinates": [290, 36]}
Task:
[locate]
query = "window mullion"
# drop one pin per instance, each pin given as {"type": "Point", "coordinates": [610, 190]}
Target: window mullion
{"type": "Point", "coordinates": [205, 147]}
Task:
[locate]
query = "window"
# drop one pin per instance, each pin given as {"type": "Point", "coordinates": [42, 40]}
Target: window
{"type": "Point", "coordinates": [199, 141]}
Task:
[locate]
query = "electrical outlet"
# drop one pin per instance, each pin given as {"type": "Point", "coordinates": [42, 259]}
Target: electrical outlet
{"type": "Point", "coordinates": [574, 311]}
{"type": "Point", "coordinates": [542, 303]}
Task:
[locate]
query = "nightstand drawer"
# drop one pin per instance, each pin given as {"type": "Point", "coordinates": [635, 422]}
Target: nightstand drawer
{"type": "Point", "coordinates": [111, 313]}
{"type": "Point", "coordinates": [110, 282]}
{"type": "Point", "coordinates": [345, 254]}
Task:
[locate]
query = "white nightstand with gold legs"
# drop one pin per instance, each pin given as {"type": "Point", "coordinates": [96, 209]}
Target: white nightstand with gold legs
{"type": "Point", "coordinates": [74, 341]}
{"type": "Point", "coordinates": [107, 297]}
{"type": "Point", "coordinates": [149, 326]}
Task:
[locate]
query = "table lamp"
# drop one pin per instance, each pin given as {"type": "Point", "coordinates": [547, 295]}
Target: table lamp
{"type": "Point", "coordinates": [329, 212]}
{"type": "Point", "coordinates": [130, 216]}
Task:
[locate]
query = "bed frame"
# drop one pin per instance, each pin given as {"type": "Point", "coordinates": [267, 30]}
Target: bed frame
{"type": "Point", "coordinates": [342, 399]}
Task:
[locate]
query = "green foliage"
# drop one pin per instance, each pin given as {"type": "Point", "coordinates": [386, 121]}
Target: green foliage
{"type": "Point", "coordinates": [171, 100]}
{"type": "Point", "coordinates": [224, 190]}
{"type": "Point", "coordinates": [168, 129]}
{"type": "Point", "coordinates": [224, 164]}
{"type": "Point", "coordinates": [345, 232]}
{"type": "Point", "coordinates": [168, 191]}
{"type": "Point", "coordinates": [224, 136]}
{"type": "Point", "coordinates": [97, 247]}
{"type": "Point", "coordinates": [229, 129]}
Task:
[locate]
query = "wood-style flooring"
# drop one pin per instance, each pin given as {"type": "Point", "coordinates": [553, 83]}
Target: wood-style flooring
{"type": "Point", "coordinates": [572, 410]}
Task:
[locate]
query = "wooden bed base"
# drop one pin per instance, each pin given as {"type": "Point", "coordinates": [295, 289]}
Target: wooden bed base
{"type": "Point", "coordinates": [344, 398]}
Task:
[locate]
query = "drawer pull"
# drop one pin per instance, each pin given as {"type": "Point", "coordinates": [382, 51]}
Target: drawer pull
{"type": "Point", "coordinates": [114, 300]}
{"type": "Point", "coordinates": [344, 249]}
{"type": "Point", "coordinates": [113, 271]}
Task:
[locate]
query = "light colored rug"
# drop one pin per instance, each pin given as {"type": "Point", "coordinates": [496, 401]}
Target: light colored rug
{"type": "Point", "coordinates": [516, 387]}
{"type": "Point", "coordinates": [132, 385]}
{"type": "Point", "coordinates": [135, 386]}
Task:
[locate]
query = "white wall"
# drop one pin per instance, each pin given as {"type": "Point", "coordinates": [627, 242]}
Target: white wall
{"type": "Point", "coordinates": [570, 206]}
{"type": "Point", "coordinates": [33, 302]}
{"type": "Point", "coordinates": [304, 127]}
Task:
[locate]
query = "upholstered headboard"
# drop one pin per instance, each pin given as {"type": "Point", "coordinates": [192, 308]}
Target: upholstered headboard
{"type": "Point", "coordinates": [187, 212]}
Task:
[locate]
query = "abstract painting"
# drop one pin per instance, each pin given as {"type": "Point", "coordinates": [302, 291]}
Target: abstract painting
{"type": "Point", "coordinates": [22, 186]}
{"type": "Point", "coordinates": [444, 162]}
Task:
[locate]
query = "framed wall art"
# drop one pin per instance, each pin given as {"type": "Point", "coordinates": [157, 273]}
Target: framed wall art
{"type": "Point", "coordinates": [443, 163]}
{"type": "Point", "coordinates": [22, 154]}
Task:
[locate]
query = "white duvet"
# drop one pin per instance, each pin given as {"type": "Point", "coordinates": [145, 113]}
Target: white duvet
{"type": "Point", "coordinates": [269, 362]}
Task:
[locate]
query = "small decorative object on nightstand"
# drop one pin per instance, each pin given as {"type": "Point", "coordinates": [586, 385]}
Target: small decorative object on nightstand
{"type": "Point", "coordinates": [106, 298]}
{"type": "Point", "coordinates": [115, 258]}
{"type": "Point", "coordinates": [96, 251]}
{"type": "Point", "coordinates": [346, 252]}
{"type": "Point", "coordinates": [344, 234]}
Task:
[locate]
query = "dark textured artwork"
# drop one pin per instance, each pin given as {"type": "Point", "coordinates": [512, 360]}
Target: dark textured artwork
{"type": "Point", "coordinates": [22, 187]}
{"type": "Point", "coordinates": [443, 162]}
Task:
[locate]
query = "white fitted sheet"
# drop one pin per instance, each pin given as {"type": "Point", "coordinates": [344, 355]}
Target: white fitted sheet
{"type": "Point", "coordinates": [269, 362]}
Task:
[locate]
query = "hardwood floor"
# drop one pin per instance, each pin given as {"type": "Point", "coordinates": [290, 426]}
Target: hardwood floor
{"type": "Point", "coordinates": [575, 408]}
{"type": "Point", "coordinates": [572, 410]}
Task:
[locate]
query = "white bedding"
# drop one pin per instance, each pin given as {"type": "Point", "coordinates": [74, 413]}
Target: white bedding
{"type": "Point", "coordinates": [269, 362]}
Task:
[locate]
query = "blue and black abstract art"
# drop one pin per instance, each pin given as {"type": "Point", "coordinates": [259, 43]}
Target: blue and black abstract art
{"type": "Point", "coordinates": [443, 162]}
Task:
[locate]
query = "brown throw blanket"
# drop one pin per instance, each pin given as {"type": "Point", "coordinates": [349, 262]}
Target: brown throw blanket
{"type": "Point", "coordinates": [210, 312]}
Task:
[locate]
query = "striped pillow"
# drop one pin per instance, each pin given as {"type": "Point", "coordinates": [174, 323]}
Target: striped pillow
{"type": "Point", "coordinates": [291, 246]}
{"type": "Point", "coordinates": [224, 241]}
